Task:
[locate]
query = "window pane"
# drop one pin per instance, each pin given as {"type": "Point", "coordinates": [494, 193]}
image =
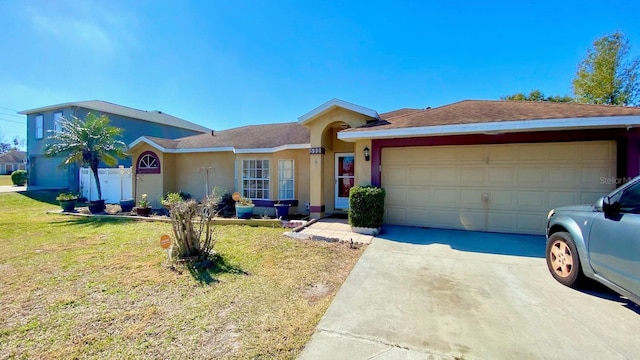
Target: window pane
{"type": "Point", "coordinates": [57, 127]}
{"type": "Point", "coordinates": [39, 126]}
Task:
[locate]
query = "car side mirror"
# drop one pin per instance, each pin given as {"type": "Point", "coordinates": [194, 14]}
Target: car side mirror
{"type": "Point", "coordinates": [608, 207]}
{"type": "Point", "coordinates": [599, 204]}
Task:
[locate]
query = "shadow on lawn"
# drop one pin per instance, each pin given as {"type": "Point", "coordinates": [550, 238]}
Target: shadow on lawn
{"type": "Point", "coordinates": [91, 221]}
{"type": "Point", "coordinates": [205, 271]}
{"type": "Point", "coordinates": [46, 196]}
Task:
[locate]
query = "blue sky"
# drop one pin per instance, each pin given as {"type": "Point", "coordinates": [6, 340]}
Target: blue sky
{"type": "Point", "coordinates": [227, 64]}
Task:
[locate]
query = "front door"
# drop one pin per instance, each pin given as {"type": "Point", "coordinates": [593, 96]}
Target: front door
{"type": "Point", "coordinates": [345, 179]}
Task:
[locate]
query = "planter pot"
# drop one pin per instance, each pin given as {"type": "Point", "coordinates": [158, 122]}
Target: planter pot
{"type": "Point", "coordinates": [365, 230]}
{"type": "Point", "coordinates": [143, 211]}
{"type": "Point", "coordinates": [96, 207]}
{"type": "Point", "coordinates": [127, 205]}
{"type": "Point", "coordinates": [67, 205]}
{"type": "Point", "coordinates": [282, 211]}
{"type": "Point", "coordinates": [244, 212]}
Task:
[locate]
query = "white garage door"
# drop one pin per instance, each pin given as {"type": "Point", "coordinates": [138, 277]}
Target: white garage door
{"type": "Point", "coordinates": [501, 188]}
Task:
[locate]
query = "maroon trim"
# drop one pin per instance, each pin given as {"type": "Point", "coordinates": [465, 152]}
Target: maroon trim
{"type": "Point", "coordinates": [627, 154]}
{"type": "Point", "coordinates": [147, 170]}
{"type": "Point", "coordinates": [315, 208]}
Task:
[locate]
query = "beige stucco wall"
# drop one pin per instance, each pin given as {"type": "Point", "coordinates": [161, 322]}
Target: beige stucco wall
{"type": "Point", "coordinates": [191, 175]}
{"type": "Point", "coordinates": [363, 167]}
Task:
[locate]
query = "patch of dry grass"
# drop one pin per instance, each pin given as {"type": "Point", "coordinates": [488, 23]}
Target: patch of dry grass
{"type": "Point", "coordinates": [83, 288]}
{"type": "Point", "coordinates": [5, 180]}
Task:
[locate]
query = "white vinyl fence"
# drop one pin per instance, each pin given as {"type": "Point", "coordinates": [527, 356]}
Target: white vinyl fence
{"type": "Point", "coordinates": [115, 184]}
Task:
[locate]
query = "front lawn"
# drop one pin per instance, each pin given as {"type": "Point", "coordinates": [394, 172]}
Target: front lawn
{"type": "Point", "coordinates": [83, 288]}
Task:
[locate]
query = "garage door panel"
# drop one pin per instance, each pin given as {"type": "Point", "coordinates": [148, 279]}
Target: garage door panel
{"type": "Point", "coordinates": [533, 153]}
{"type": "Point", "coordinates": [592, 176]}
{"type": "Point", "coordinates": [397, 155]}
{"type": "Point", "coordinates": [395, 195]}
{"type": "Point", "coordinates": [560, 198]}
{"type": "Point", "coordinates": [419, 197]}
{"type": "Point", "coordinates": [447, 176]}
{"type": "Point", "coordinates": [442, 154]}
{"type": "Point", "coordinates": [598, 151]}
{"type": "Point", "coordinates": [473, 154]}
{"type": "Point", "coordinates": [419, 175]}
{"type": "Point", "coordinates": [472, 220]}
{"type": "Point", "coordinates": [534, 176]}
{"type": "Point", "coordinates": [531, 223]}
{"type": "Point", "coordinates": [502, 153]}
{"type": "Point", "coordinates": [564, 177]}
{"type": "Point", "coordinates": [471, 198]}
{"type": "Point", "coordinates": [444, 186]}
{"type": "Point", "coordinates": [501, 176]}
{"type": "Point", "coordinates": [502, 199]}
{"type": "Point", "coordinates": [446, 197]}
{"type": "Point", "coordinates": [473, 176]}
{"type": "Point", "coordinates": [528, 199]}
{"type": "Point", "coordinates": [502, 221]}
{"type": "Point", "coordinates": [396, 175]}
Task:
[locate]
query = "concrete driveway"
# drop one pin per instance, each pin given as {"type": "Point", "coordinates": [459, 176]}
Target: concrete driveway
{"type": "Point", "coordinates": [440, 294]}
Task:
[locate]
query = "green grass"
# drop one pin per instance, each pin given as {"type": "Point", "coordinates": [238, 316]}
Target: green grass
{"type": "Point", "coordinates": [84, 288]}
{"type": "Point", "coordinates": [5, 180]}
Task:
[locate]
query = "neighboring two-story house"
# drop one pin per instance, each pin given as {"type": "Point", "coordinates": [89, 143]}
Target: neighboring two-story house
{"type": "Point", "coordinates": [43, 122]}
{"type": "Point", "coordinates": [12, 161]}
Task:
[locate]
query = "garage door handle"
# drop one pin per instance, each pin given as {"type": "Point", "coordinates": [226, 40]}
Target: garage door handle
{"type": "Point", "coordinates": [485, 197]}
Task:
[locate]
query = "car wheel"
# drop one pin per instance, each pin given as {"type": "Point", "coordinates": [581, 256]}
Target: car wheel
{"type": "Point", "coordinates": [562, 259]}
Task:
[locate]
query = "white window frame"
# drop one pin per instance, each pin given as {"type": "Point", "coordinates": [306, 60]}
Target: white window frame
{"type": "Point", "coordinates": [39, 126]}
{"type": "Point", "coordinates": [57, 126]}
{"type": "Point", "coordinates": [255, 181]}
{"type": "Point", "coordinates": [286, 184]}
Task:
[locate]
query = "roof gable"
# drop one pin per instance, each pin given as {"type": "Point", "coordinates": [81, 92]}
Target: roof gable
{"type": "Point", "coordinates": [336, 103]}
{"type": "Point", "coordinates": [153, 116]}
{"type": "Point", "coordinates": [13, 156]}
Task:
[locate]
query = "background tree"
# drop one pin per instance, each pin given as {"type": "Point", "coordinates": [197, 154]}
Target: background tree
{"type": "Point", "coordinates": [15, 144]}
{"type": "Point", "coordinates": [87, 142]}
{"type": "Point", "coordinates": [608, 75]}
{"type": "Point", "coordinates": [537, 95]}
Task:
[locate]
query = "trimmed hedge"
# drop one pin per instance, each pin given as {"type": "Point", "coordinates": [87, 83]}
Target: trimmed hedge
{"type": "Point", "coordinates": [366, 206]}
{"type": "Point", "coordinates": [19, 177]}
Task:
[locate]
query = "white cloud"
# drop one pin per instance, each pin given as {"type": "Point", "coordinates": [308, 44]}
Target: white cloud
{"type": "Point", "coordinates": [83, 24]}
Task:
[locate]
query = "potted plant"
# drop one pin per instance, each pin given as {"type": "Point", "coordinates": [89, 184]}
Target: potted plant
{"type": "Point", "coordinates": [172, 198]}
{"type": "Point", "coordinates": [67, 201]}
{"type": "Point", "coordinates": [127, 204]}
{"type": "Point", "coordinates": [144, 207]}
{"type": "Point", "coordinates": [282, 210]}
{"type": "Point", "coordinates": [244, 208]}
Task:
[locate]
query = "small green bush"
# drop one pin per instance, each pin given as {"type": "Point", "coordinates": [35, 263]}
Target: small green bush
{"type": "Point", "coordinates": [366, 206]}
{"type": "Point", "coordinates": [19, 177]}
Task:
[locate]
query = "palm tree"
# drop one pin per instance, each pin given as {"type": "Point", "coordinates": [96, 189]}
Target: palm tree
{"type": "Point", "coordinates": [87, 142]}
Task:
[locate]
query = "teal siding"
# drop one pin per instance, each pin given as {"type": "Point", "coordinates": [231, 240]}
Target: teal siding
{"type": "Point", "coordinates": [46, 172]}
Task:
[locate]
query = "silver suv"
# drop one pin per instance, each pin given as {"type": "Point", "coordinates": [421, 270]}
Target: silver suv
{"type": "Point", "coordinates": [599, 241]}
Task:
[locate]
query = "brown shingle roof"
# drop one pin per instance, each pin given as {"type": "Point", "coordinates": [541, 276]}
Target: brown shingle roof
{"type": "Point", "coordinates": [246, 137]}
{"type": "Point", "coordinates": [485, 111]}
{"type": "Point", "coordinates": [13, 157]}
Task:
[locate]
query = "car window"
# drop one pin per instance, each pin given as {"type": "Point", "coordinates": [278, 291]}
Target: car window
{"type": "Point", "coordinates": [630, 199]}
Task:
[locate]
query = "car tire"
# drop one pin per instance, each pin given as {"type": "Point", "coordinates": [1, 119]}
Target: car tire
{"type": "Point", "coordinates": [563, 260]}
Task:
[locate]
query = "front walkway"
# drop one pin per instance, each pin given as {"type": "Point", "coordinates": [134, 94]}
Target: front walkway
{"type": "Point", "coordinates": [12, 188]}
{"type": "Point", "coordinates": [332, 230]}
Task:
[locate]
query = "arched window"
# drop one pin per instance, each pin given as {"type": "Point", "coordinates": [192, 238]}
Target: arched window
{"type": "Point", "coordinates": [148, 163]}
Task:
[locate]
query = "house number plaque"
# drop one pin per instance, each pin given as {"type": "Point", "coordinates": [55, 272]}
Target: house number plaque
{"type": "Point", "coordinates": [316, 150]}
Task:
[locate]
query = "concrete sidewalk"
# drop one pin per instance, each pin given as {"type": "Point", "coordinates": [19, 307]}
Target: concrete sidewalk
{"type": "Point", "coordinates": [12, 188]}
{"type": "Point", "coordinates": [437, 294]}
{"type": "Point", "coordinates": [329, 229]}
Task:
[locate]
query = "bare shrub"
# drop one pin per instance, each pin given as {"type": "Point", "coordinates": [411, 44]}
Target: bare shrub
{"type": "Point", "coordinates": [193, 228]}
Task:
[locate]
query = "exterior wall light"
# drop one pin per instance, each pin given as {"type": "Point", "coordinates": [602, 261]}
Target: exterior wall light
{"type": "Point", "coordinates": [367, 155]}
